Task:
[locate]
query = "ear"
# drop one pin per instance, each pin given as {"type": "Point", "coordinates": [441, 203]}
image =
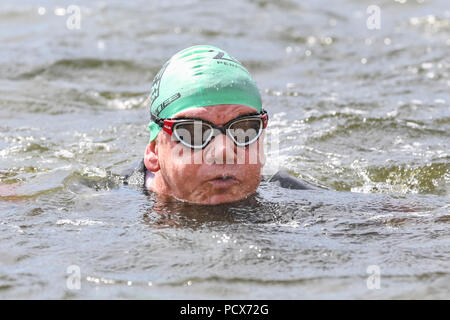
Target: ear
{"type": "Point", "coordinates": [151, 157]}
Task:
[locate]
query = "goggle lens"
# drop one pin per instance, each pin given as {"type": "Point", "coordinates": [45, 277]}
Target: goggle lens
{"type": "Point", "coordinates": [246, 131]}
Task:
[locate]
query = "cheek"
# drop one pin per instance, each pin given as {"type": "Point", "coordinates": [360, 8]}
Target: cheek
{"type": "Point", "coordinates": [252, 157]}
{"type": "Point", "coordinates": [251, 170]}
{"type": "Point", "coordinates": [177, 166]}
{"type": "Point", "coordinates": [252, 177]}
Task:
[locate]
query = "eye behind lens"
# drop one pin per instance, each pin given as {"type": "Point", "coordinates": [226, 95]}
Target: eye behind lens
{"type": "Point", "coordinates": [193, 134]}
{"type": "Point", "coordinates": [246, 131]}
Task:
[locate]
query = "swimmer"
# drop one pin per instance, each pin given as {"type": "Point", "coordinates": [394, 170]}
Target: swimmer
{"type": "Point", "coordinates": [207, 128]}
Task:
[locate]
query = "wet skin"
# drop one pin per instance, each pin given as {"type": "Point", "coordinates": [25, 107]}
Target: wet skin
{"type": "Point", "coordinates": [219, 173]}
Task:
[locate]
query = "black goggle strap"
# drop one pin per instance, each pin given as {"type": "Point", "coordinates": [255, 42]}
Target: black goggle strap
{"type": "Point", "coordinates": [157, 120]}
{"type": "Point", "coordinates": [165, 124]}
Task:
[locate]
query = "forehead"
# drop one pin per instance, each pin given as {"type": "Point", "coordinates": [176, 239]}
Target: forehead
{"type": "Point", "coordinates": [219, 114]}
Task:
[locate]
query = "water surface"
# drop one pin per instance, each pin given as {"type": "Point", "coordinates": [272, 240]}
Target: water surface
{"type": "Point", "coordinates": [362, 112]}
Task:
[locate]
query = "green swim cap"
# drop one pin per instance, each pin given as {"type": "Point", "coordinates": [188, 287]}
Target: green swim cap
{"type": "Point", "coordinates": [200, 76]}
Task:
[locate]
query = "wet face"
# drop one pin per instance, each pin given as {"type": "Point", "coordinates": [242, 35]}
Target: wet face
{"type": "Point", "coordinates": [221, 172]}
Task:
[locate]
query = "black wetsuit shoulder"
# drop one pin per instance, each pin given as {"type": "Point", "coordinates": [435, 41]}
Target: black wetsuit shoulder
{"type": "Point", "coordinates": [136, 176]}
{"type": "Point", "coordinates": [285, 180]}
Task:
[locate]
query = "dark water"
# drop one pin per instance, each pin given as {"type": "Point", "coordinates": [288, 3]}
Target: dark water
{"type": "Point", "coordinates": [363, 112]}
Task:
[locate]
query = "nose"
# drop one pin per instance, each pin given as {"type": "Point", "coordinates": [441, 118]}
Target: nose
{"type": "Point", "coordinates": [221, 150]}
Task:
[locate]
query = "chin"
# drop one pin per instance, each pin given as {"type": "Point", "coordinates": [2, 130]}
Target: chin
{"type": "Point", "coordinates": [218, 196]}
{"type": "Point", "coordinates": [223, 198]}
{"type": "Point", "coordinates": [220, 199]}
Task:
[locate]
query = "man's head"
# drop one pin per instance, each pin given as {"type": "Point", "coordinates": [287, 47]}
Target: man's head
{"type": "Point", "coordinates": [211, 147]}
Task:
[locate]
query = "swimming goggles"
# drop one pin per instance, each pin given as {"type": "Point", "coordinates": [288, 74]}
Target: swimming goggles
{"type": "Point", "coordinates": [197, 133]}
